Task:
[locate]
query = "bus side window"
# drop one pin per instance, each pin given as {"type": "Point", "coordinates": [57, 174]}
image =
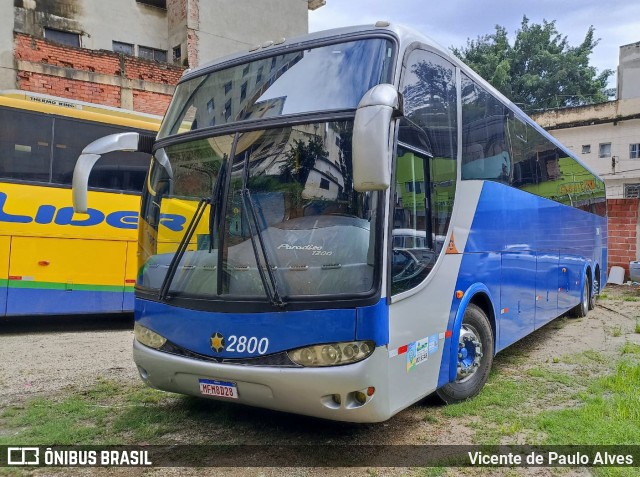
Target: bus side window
{"type": "Point", "coordinates": [123, 171]}
{"type": "Point", "coordinates": [413, 252]}
{"type": "Point", "coordinates": [25, 146]}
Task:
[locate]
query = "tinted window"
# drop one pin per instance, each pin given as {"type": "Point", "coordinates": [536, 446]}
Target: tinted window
{"type": "Point", "coordinates": [118, 170]}
{"type": "Point", "coordinates": [498, 145]}
{"type": "Point", "coordinates": [485, 143]}
{"type": "Point", "coordinates": [430, 125]}
{"type": "Point", "coordinates": [25, 145]}
{"type": "Point", "coordinates": [27, 149]}
{"type": "Point", "coordinates": [334, 77]}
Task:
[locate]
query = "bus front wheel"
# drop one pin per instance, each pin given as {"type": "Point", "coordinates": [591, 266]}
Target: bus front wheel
{"type": "Point", "coordinates": [475, 357]}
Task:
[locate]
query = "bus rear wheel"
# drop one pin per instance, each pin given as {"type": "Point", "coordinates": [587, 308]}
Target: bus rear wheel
{"type": "Point", "coordinates": [475, 357]}
{"type": "Point", "coordinates": [581, 310]}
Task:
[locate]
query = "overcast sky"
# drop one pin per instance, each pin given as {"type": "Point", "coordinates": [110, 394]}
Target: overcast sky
{"type": "Point", "coordinates": [451, 22]}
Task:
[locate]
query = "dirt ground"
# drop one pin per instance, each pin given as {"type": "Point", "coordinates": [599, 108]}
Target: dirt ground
{"type": "Point", "coordinates": [45, 357]}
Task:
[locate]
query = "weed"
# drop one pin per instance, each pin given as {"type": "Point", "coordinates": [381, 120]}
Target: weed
{"type": "Point", "coordinates": [631, 348]}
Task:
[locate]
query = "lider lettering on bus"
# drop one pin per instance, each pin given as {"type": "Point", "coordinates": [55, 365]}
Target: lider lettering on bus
{"type": "Point", "coordinates": [121, 219]}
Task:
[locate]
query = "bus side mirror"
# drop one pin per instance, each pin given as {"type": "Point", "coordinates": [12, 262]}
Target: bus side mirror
{"type": "Point", "coordinates": [372, 138]}
{"type": "Point", "coordinates": [130, 141]}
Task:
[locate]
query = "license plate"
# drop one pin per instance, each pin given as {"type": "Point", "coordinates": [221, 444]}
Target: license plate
{"type": "Point", "coordinates": [211, 387]}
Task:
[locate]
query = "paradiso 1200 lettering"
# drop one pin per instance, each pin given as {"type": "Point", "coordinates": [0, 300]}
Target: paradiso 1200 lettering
{"type": "Point", "coordinates": [50, 214]}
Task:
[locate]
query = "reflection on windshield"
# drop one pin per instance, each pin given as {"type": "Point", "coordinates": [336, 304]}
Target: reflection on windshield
{"type": "Point", "coordinates": [290, 223]}
{"type": "Point", "coordinates": [333, 77]}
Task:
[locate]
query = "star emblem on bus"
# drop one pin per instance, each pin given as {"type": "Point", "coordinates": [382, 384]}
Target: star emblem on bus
{"type": "Point", "coordinates": [217, 342]}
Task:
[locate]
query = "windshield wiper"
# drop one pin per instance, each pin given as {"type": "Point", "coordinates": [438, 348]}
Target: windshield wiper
{"type": "Point", "coordinates": [182, 247]}
{"type": "Point", "coordinates": [214, 200]}
{"type": "Point", "coordinates": [272, 291]}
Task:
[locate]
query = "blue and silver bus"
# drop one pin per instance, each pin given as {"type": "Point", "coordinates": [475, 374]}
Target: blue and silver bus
{"type": "Point", "coordinates": [368, 222]}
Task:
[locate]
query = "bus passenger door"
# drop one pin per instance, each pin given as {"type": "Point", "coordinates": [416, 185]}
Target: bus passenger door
{"type": "Point", "coordinates": [517, 300]}
{"type": "Point", "coordinates": [546, 288]}
{"type": "Point", "coordinates": [5, 250]}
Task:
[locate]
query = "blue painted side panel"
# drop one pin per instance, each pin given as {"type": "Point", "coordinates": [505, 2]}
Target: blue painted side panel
{"type": "Point", "coordinates": [284, 330]}
{"type": "Point", "coordinates": [3, 300]}
{"type": "Point", "coordinates": [128, 302]}
{"type": "Point", "coordinates": [517, 297]}
{"type": "Point", "coordinates": [547, 265]}
{"type": "Point", "coordinates": [530, 252]}
{"type": "Point", "coordinates": [25, 301]}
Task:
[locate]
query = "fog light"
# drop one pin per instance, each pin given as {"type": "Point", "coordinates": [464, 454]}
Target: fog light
{"type": "Point", "coordinates": [360, 397]}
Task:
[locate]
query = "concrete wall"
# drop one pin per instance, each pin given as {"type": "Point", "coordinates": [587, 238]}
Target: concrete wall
{"type": "Point", "coordinates": [98, 22]}
{"type": "Point", "coordinates": [223, 27]}
{"type": "Point", "coordinates": [7, 72]}
{"type": "Point", "coordinates": [629, 71]}
{"type": "Point", "coordinates": [135, 23]}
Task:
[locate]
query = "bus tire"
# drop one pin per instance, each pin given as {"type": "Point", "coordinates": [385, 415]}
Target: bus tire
{"type": "Point", "coordinates": [593, 292]}
{"type": "Point", "coordinates": [581, 310]}
{"type": "Point", "coordinates": [475, 357]}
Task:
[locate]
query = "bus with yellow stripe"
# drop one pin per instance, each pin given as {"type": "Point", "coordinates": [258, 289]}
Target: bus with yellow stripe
{"type": "Point", "coordinates": [53, 261]}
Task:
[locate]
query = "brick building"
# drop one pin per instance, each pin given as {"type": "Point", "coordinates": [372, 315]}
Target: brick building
{"type": "Point", "coordinates": [130, 53]}
{"type": "Point", "coordinates": [606, 137]}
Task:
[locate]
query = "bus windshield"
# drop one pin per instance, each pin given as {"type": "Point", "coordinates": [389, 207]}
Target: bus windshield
{"type": "Point", "coordinates": [281, 218]}
{"type": "Point", "coordinates": [333, 77]}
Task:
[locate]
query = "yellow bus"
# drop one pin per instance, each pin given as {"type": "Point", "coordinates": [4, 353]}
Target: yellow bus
{"type": "Point", "coordinates": [53, 261]}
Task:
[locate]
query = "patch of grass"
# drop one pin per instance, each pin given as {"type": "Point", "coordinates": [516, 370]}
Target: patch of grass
{"type": "Point", "coordinates": [74, 420]}
{"type": "Point", "coordinates": [631, 298]}
{"type": "Point", "coordinates": [616, 331]}
{"type": "Point", "coordinates": [603, 296]}
{"type": "Point", "coordinates": [551, 376]}
{"type": "Point", "coordinates": [588, 357]}
{"type": "Point", "coordinates": [608, 414]}
{"type": "Point", "coordinates": [631, 348]}
{"type": "Point", "coordinates": [637, 328]}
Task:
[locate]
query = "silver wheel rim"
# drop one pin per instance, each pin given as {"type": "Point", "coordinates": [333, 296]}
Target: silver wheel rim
{"type": "Point", "coordinates": [469, 353]}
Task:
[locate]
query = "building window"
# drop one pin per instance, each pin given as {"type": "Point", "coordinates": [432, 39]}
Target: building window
{"type": "Point", "coordinates": [632, 191]}
{"type": "Point", "coordinates": [324, 184]}
{"type": "Point", "coordinates": [152, 54]}
{"type": "Point", "coordinates": [211, 106]}
{"type": "Point", "coordinates": [245, 71]}
{"type": "Point", "coordinates": [154, 3]}
{"type": "Point", "coordinates": [227, 87]}
{"type": "Point", "coordinates": [177, 53]}
{"type": "Point", "coordinates": [120, 47]}
{"type": "Point", "coordinates": [634, 151]}
{"type": "Point", "coordinates": [605, 150]}
{"type": "Point", "coordinates": [243, 91]}
{"type": "Point", "coordinates": [64, 37]}
{"type": "Point", "coordinates": [586, 149]}
{"type": "Point", "coordinates": [227, 110]}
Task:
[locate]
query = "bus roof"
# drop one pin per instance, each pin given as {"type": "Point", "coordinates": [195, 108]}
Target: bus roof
{"type": "Point", "coordinates": [46, 104]}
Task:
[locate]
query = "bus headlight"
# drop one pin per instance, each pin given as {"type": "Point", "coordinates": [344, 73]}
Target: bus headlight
{"type": "Point", "coordinates": [333, 354]}
{"type": "Point", "coordinates": [147, 337]}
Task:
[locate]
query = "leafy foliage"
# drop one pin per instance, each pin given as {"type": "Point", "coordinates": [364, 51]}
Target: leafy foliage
{"type": "Point", "coordinates": [540, 70]}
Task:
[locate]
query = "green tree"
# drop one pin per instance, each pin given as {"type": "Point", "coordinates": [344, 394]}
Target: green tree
{"type": "Point", "coordinates": [540, 70]}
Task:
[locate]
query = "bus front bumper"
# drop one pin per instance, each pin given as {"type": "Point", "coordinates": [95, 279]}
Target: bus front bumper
{"type": "Point", "coordinates": [308, 391]}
